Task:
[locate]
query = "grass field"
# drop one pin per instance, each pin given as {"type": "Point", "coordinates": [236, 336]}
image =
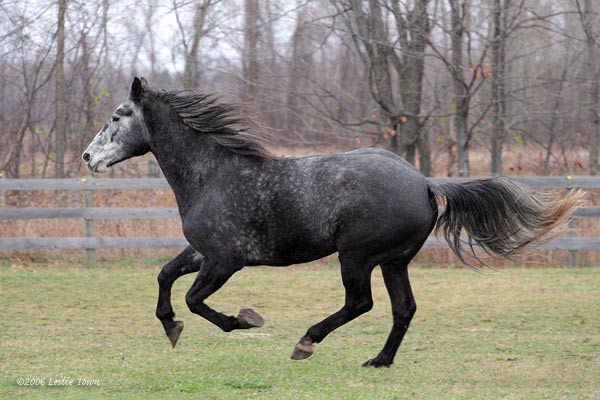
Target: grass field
{"type": "Point", "coordinates": [518, 334]}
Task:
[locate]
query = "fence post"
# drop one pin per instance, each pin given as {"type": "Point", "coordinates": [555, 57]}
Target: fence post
{"type": "Point", "coordinates": [571, 228]}
{"type": "Point", "coordinates": [90, 225]}
{"type": "Point", "coordinates": [153, 169]}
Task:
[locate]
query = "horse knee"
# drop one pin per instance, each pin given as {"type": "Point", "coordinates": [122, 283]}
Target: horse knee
{"type": "Point", "coordinates": [162, 278]}
{"type": "Point", "coordinates": [412, 309]}
{"type": "Point", "coordinates": [402, 318]}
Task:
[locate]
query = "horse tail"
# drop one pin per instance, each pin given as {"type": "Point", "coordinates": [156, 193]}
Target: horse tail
{"type": "Point", "coordinates": [499, 215]}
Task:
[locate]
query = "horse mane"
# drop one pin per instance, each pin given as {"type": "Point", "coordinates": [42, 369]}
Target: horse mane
{"type": "Point", "coordinates": [224, 123]}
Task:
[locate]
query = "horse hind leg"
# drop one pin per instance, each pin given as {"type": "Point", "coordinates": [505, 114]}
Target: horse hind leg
{"type": "Point", "coordinates": [395, 276]}
{"type": "Point", "coordinates": [404, 307]}
{"type": "Point", "coordinates": [186, 262]}
{"type": "Point", "coordinates": [356, 277]}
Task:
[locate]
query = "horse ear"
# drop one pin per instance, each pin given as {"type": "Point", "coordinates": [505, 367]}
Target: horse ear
{"type": "Point", "coordinates": [136, 89]}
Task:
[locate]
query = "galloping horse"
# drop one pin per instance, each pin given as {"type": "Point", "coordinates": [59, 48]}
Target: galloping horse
{"type": "Point", "coordinates": [241, 206]}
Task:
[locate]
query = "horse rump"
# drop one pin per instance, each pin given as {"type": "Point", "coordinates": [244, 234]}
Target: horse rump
{"type": "Point", "coordinates": [499, 215]}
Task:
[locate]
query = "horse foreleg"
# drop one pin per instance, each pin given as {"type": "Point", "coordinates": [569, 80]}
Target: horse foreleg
{"type": "Point", "coordinates": [356, 277]}
{"type": "Point", "coordinates": [186, 262]}
{"type": "Point", "coordinates": [211, 277]}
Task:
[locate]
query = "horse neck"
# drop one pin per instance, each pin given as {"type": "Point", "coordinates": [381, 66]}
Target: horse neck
{"type": "Point", "coordinates": [187, 158]}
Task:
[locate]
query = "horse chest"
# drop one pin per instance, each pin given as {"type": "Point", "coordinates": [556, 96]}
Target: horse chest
{"type": "Point", "coordinates": [225, 236]}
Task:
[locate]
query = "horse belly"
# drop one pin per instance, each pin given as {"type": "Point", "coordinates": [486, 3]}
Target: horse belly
{"type": "Point", "coordinates": [298, 245]}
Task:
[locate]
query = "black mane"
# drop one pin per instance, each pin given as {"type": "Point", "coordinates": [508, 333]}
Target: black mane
{"type": "Point", "coordinates": [225, 123]}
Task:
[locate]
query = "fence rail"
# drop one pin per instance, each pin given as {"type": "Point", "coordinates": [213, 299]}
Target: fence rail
{"type": "Point", "coordinates": [89, 213]}
{"type": "Point", "coordinates": [150, 213]}
{"type": "Point", "coordinates": [563, 243]}
{"type": "Point", "coordinates": [556, 182]}
{"type": "Point", "coordinates": [93, 213]}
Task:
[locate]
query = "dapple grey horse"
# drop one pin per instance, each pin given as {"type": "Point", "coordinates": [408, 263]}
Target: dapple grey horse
{"type": "Point", "coordinates": [240, 206]}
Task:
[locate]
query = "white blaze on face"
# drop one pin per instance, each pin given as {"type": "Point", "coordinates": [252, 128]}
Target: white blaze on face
{"type": "Point", "coordinates": [107, 147]}
{"type": "Point", "coordinates": [101, 151]}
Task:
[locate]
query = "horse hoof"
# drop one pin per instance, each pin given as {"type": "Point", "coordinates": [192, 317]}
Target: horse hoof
{"type": "Point", "coordinates": [174, 333]}
{"type": "Point", "coordinates": [303, 350]}
{"type": "Point", "coordinates": [375, 364]}
{"type": "Point", "coordinates": [249, 318]}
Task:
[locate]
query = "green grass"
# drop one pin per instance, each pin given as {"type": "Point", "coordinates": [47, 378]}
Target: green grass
{"type": "Point", "coordinates": [520, 334]}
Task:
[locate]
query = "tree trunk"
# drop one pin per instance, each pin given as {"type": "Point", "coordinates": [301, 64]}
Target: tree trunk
{"type": "Point", "coordinates": [555, 118]}
{"type": "Point", "coordinates": [87, 83]}
{"type": "Point", "coordinates": [272, 116]}
{"type": "Point", "coordinates": [346, 82]}
{"type": "Point", "coordinates": [59, 96]}
{"type": "Point", "coordinates": [149, 22]}
{"type": "Point", "coordinates": [191, 74]}
{"type": "Point", "coordinates": [460, 124]}
{"type": "Point", "coordinates": [250, 55]}
{"type": "Point", "coordinates": [461, 95]}
{"type": "Point", "coordinates": [3, 124]}
{"type": "Point", "coordinates": [293, 120]}
{"type": "Point", "coordinates": [594, 139]}
{"type": "Point", "coordinates": [409, 139]}
{"type": "Point", "coordinates": [370, 35]}
{"type": "Point", "coordinates": [500, 18]}
{"type": "Point", "coordinates": [16, 160]}
{"type": "Point", "coordinates": [425, 153]}
{"type": "Point", "coordinates": [594, 75]}
{"type": "Point", "coordinates": [411, 73]}
{"type": "Point", "coordinates": [370, 31]}
{"type": "Point", "coordinates": [32, 152]}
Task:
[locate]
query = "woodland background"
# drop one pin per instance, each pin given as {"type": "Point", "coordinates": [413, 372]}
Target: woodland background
{"type": "Point", "coordinates": [458, 87]}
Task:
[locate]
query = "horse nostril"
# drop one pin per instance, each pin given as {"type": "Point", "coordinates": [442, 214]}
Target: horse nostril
{"type": "Point", "coordinates": [86, 157]}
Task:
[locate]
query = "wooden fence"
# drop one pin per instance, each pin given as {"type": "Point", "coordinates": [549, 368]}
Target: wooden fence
{"type": "Point", "coordinates": [89, 214]}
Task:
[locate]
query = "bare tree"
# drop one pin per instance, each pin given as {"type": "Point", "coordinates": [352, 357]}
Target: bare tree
{"type": "Point", "coordinates": [191, 74]}
{"type": "Point", "coordinates": [500, 22]}
{"type": "Point", "coordinates": [250, 53]}
{"type": "Point", "coordinates": [59, 96]}
{"type": "Point", "coordinates": [588, 19]}
{"type": "Point", "coordinates": [193, 19]}
{"type": "Point", "coordinates": [149, 20]}
{"type": "Point", "coordinates": [300, 66]}
{"type": "Point", "coordinates": [462, 98]}
{"type": "Point", "coordinates": [366, 24]}
{"type": "Point", "coordinates": [478, 76]}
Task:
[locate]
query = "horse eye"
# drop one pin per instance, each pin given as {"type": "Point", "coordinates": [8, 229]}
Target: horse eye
{"type": "Point", "coordinates": [115, 118]}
